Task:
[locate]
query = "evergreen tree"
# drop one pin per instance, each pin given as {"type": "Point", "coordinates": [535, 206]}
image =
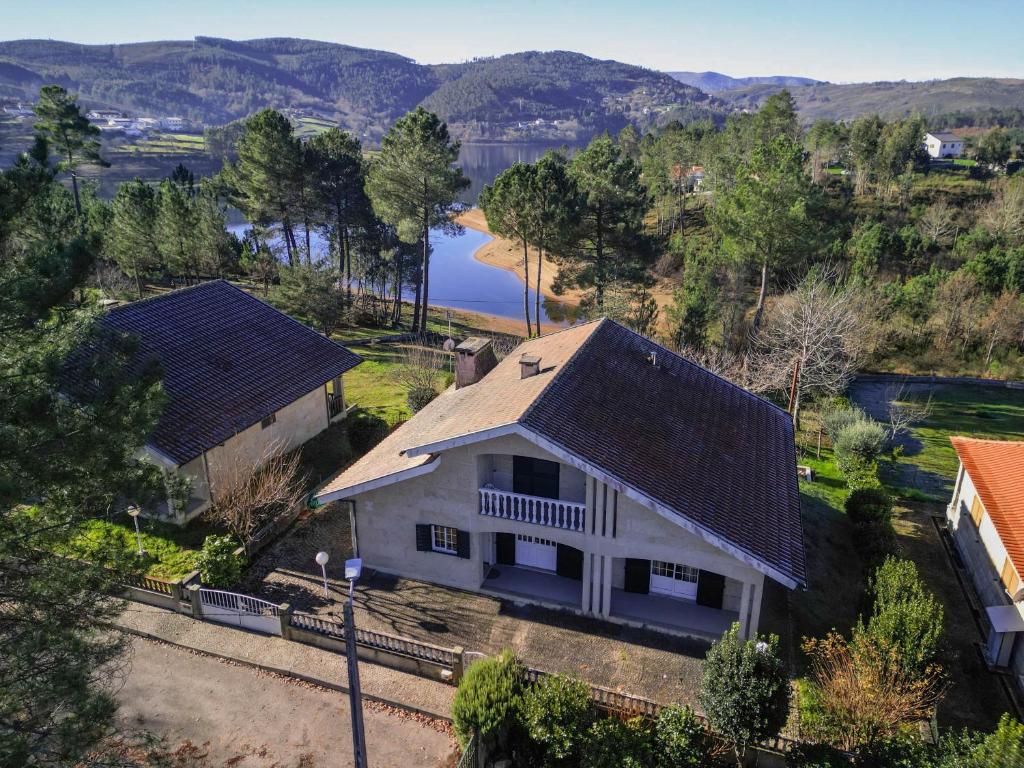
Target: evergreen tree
{"type": "Point", "coordinates": [131, 237]}
{"type": "Point", "coordinates": [61, 123]}
{"type": "Point", "coordinates": [67, 448]}
{"type": "Point", "coordinates": [554, 207]}
{"type": "Point", "coordinates": [608, 245]}
{"type": "Point", "coordinates": [414, 186]}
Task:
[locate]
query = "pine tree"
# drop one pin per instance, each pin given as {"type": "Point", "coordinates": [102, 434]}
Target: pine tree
{"type": "Point", "coordinates": [131, 238]}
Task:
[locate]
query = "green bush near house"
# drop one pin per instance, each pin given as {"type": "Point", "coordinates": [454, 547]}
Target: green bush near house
{"type": "Point", "coordinates": [365, 430]}
{"type": "Point", "coordinates": [869, 507]}
{"type": "Point", "coordinates": [218, 565]}
{"type": "Point", "coordinates": [557, 713]}
{"type": "Point", "coordinates": [679, 735]}
{"type": "Point", "coordinates": [860, 441]}
{"type": "Point", "coordinates": [612, 743]}
{"type": "Point", "coordinates": [419, 397]}
{"type": "Point", "coordinates": [488, 701]}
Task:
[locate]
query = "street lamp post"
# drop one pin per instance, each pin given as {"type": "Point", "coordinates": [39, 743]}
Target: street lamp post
{"type": "Point", "coordinates": [321, 560]}
{"type": "Point", "coordinates": [353, 569]}
{"type": "Point", "coordinates": [133, 512]}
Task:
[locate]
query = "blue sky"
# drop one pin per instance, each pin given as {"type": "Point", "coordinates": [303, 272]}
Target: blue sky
{"type": "Point", "coordinates": [838, 40]}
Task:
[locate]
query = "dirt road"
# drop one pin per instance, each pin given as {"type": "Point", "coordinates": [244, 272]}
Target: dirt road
{"type": "Point", "coordinates": [237, 716]}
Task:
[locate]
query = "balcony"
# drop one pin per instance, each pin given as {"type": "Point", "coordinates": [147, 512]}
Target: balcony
{"type": "Point", "coordinates": [537, 510]}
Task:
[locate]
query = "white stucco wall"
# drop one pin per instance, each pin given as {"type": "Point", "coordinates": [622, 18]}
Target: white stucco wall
{"type": "Point", "coordinates": [616, 527]}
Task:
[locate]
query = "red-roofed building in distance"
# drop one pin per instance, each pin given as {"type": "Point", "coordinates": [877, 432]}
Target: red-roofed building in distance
{"type": "Point", "coordinates": [986, 519]}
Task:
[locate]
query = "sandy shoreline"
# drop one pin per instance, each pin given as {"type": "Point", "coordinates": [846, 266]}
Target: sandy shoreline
{"type": "Point", "coordinates": [507, 255]}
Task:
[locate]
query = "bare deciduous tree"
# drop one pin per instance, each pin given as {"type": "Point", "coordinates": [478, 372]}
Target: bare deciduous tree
{"type": "Point", "coordinates": [936, 222]}
{"type": "Point", "coordinates": [1004, 323]}
{"type": "Point", "coordinates": [258, 491]}
{"type": "Point", "coordinates": [1004, 214]}
{"type": "Point", "coordinates": [905, 410]}
{"type": "Point", "coordinates": [811, 344]}
{"type": "Point", "coordinates": [420, 368]}
{"type": "Point", "coordinates": [719, 360]}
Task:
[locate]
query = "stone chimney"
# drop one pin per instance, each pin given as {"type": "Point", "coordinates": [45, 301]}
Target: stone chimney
{"type": "Point", "coordinates": [529, 365]}
{"type": "Point", "coordinates": [474, 358]}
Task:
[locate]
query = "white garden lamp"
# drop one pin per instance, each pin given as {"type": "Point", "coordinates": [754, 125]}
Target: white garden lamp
{"type": "Point", "coordinates": [321, 559]}
{"type": "Point", "coordinates": [133, 512]}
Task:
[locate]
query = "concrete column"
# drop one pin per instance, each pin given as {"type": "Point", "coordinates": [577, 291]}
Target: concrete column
{"type": "Point", "coordinates": [193, 596]}
{"type": "Point", "coordinates": [606, 585]}
{"type": "Point", "coordinates": [755, 608]}
{"type": "Point", "coordinates": [458, 664]}
{"type": "Point", "coordinates": [284, 613]}
{"type": "Point", "coordinates": [745, 611]}
{"type": "Point", "coordinates": [588, 566]}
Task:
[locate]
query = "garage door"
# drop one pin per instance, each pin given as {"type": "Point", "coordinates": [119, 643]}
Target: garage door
{"type": "Point", "coordinates": [536, 552]}
{"type": "Point", "coordinates": [674, 579]}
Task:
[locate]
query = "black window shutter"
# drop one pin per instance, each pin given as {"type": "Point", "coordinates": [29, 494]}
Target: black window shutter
{"type": "Point", "coordinates": [423, 538]}
{"type": "Point", "coordinates": [569, 562]}
{"type": "Point", "coordinates": [462, 548]}
{"type": "Point", "coordinates": [710, 589]}
{"type": "Point", "coordinates": [638, 576]}
{"type": "Point", "coordinates": [505, 548]}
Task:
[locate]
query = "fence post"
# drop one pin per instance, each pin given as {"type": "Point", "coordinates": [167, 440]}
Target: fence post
{"type": "Point", "coordinates": [284, 612]}
{"type": "Point", "coordinates": [458, 663]}
{"type": "Point", "coordinates": [176, 590]}
{"type": "Point", "coordinates": [193, 596]}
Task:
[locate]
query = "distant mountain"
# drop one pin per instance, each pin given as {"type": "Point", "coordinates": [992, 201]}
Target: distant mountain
{"type": "Point", "coordinates": [556, 95]}
{"type": "Point", "coordinates": [715, 82]}
{"type": "Point", "coordinates": [967, 95]}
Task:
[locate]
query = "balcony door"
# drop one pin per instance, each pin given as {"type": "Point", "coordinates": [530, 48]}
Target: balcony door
{"type": "Point", "coordinates": [535, 477]}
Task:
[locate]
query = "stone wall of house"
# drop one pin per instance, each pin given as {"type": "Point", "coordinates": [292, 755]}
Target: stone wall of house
{"type": "Point", "coordinates": [617, 527]}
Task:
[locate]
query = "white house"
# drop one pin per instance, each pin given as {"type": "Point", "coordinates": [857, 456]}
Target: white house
{"type": "Point", "coordinates": [590, 470]}
{"type": "Point", "coordinates": [986, 518]}
{"type": "Point", "coordinates": [943, 144]}
{"type": "Point", "coordinates": [243, 382]}
{"type": "Point", "coordinates": [173, 123]}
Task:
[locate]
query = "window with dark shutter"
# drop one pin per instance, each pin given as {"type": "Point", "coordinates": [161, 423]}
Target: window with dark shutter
{"type": "Point", "coordinates": [423, 538]}
{"type": "Point", "coordinates": [505, 548]}
{"type": "Point", "coordinates": [638, 576]}
{"type": "Point", "coordinates": [462, 549]}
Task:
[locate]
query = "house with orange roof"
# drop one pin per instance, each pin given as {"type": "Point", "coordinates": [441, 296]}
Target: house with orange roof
{"type": "Point", "coordinates": [986, 518]}
{"type": "Point", "coordinates": [591, 470]}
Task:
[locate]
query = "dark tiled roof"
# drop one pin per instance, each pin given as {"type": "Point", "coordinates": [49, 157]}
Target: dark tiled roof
{"type": "Point", "coordinates": [697, 444]}
{"type": "Point", "coordinates": [228, 360]}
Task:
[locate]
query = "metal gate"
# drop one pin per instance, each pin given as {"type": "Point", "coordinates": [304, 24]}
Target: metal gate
{"type": "Point", "coordinates": [240, 611]}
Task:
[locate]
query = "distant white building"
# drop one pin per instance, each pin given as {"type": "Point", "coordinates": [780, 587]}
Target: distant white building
{"type": "Point", "coordinates": [173, 123]}
{"type": "Point", "coordinates": [943, 144]}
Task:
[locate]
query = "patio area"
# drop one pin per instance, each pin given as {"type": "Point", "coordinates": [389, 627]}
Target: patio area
{"type": "Point", "coordinates": [536, 586]}
{"type": "Point", "coordinates": [672, 615]}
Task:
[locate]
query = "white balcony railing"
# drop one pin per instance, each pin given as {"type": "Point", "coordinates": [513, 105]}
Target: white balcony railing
{"type": "Point", "coordinates": [554, 513]}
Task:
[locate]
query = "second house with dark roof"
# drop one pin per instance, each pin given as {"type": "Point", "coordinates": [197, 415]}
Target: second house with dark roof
{"type": "Point", "coordinates": [591, 470]}
{"type": "Point", "coordinates": [243, 382]}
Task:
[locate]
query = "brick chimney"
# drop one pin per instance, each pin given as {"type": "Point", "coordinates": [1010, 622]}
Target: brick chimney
{"type": "Point", "coordinates": [474, 358]}
{"type": "Point", "coordinates": [529, 365]}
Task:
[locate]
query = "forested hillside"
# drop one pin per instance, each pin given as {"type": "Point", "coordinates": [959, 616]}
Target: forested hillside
{"type": "Point", "coordinates": [215, 81]}
{"type": "Point", "coordinates": [932, 98]}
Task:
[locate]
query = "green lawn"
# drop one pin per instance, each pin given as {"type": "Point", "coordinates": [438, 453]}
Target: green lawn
{"type": "Point", "coordinates": [371, 385]}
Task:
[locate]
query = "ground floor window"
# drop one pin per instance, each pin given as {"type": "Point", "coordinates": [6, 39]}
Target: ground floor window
{"type": "Point", "coordinates": [676, 571]}
{"type": "Point", "coordinates": [445, 539]}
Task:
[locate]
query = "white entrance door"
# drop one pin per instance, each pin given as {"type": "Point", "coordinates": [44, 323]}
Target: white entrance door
{"type": "Point", "coordinates": [536, 552]}
{"type": "Point", "coordinates": [674, 579]}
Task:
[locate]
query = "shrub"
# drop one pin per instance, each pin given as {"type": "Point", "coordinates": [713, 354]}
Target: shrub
{"type": "Point", "coordinates": [419, 397]}
{"type": "Point", "coordinates": [745, 689]}
{"type": "Point", "coordinates": [1003, 748]}
{"type": "Point", "coordinates": [557, 712]}
{"type": "Point", "coordinates": [217, 563]}
{"type": "Point", "coordinates": [905, 617]}
{"type": "Point", "coordinates": [869, 506]}
{"type": "Point", "coordinates": [679, 736]}
{"type": "Point", "coordinates": [835, 419]}
{"type": "Point", "coordinates": [857, 473]}
{"type": "Point", "coordinates": [489, 699]}
{"type": "Point", "coordinates": [805, 755]}
{"type": "Point", "coordinates": [612, 743]}
{"type": "Point", "coordinates": [862, 440]}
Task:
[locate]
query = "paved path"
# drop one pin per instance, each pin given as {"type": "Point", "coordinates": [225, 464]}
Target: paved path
{"type": "Point", "coordinates": [227, 714]}
{"type": "Point", "coordinates": [643, 663]}
{"type": "Point", "coordinates": [290, 658]}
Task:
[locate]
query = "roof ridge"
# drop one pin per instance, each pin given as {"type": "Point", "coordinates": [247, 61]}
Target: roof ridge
{"type": "Point", "coordinates": [169, 294]}
{"type": "Point", "coordinates": [540, 395]}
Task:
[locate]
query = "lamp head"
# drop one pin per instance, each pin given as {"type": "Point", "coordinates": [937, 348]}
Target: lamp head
{"type": "Point", "coordinates": [322, 558]}
{"type": "Point", "coordinates": [353, 568]}
{"type": "Point", "coordinates": [133, 511]}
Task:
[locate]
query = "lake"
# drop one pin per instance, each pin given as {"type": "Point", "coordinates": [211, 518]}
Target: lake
{"type": "Point", "coordinates": [482, 162]}
{"type": "Point", "coordinates": [459, 281]}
